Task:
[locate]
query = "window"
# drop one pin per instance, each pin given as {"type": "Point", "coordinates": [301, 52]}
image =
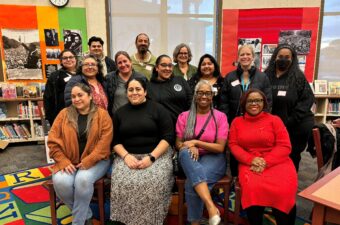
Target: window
{"type": "Point", "coordinates": [329, 60]}
{"type": "Point", "coordinates": [167, 23]}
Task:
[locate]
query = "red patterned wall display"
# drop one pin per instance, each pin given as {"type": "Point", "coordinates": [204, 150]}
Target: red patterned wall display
{"type": "Point", "coordinates": [267, 24]}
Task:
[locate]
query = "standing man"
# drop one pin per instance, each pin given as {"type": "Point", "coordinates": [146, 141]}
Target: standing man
{"type": "Point", "coordinates": [96, 48]}
{"type": "Point", "coordinates": [143, 61]}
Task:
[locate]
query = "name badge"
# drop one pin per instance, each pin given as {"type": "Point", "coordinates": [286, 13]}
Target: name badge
{"type": "Point", "coordinates": [148, 67]}
{"type": "Point", "coordinates": [66, 79]}
{"type": "Point", "coordinates": [235, 82]}
{"type": "Point", "coordinates": [281, 93]}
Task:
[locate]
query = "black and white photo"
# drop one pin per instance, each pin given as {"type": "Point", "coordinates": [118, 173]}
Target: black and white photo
{"type": "Point", "coordinates": [22, 54]}
{"type": "Point", "coordinates": [298, 39]}
{"type": "Point", "coordinates": [52, 53]}
{"type": "Point", "coordinates": [268, 49]}
{"type": "Point", "coordinates": [265, 61]}
{"type": "Point", "coordinates": [73, 41]}
{"type": "Point", "coordinates": [50, 68]}
{"type": "Point", "coordinates": [51, 37]}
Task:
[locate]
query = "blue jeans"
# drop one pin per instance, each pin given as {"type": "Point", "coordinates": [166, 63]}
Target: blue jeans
{"type": "Point", "coordinates": [209, 168]}
{"type": "Point", "coordinates": [76, 190]}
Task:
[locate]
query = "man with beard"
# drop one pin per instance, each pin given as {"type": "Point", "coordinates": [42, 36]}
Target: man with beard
{"type": "Point", "coordinates": [96, 49]}
{"type": "Point", "coordinates": [143, 61]}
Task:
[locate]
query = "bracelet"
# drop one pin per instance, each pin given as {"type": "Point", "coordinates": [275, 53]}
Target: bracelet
{"type": "Point", "coordinates": [124, 156]}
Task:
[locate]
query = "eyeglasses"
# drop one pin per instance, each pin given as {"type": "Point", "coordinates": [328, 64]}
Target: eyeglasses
{"type": "Point", "coordinates": [254, 101]}
{"type": "Point", "coordinates": [89, 64]}
{"type": "Point", "coordinates": [207, 94]}
{"type": "Point", "coordinates": [183, 53]}
{"type": "Point", "coordinates": [166, 65]}
{"type": "Point", "coordinates": [68, 57]}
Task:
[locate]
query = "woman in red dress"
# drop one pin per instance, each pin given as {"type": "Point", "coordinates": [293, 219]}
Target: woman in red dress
{"type": "Point", "coordinates": [260, 143]}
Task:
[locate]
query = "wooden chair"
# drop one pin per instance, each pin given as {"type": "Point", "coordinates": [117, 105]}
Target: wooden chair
{"type": "Point", "coordinates": [224, 183]}
{"type": "Point", "coordinates": [98, 196]}
{"type": "Point", "coordinates": [318, 149]}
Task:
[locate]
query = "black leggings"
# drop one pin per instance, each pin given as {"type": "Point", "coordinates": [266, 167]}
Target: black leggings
{"type": "Point", "coordinates": [255, 216]}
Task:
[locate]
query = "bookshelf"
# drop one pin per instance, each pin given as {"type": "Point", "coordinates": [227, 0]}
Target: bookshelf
{"type": "Point", "coordinates": [327, 108]}
{"type": "Point", "coordinates": [20, 120]}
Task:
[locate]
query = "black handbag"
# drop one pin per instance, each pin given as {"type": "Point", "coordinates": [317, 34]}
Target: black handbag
{"type": "Point", "coordinates": [177, 168]}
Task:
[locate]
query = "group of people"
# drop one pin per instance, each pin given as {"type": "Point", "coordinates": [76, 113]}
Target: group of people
{"type": "Point", "coordinates": [143, 108]}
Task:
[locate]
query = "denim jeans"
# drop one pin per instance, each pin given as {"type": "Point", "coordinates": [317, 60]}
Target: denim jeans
{"type": "Point", "coordinates": [76, 190]}
{"type": "Point", "coordinates": [209, 168]}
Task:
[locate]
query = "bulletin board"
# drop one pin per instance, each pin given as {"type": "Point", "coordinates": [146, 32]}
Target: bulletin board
{"type": "Point", "coordinates": [37, 21]}
{"type": "Point", "coordinates": [267, 25]}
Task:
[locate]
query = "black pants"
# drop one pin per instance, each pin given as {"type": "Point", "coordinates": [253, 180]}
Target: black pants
{"type": "Point", "coordinates": [255, 216]}
{"type": "Point", "coordinates": [299, 136]}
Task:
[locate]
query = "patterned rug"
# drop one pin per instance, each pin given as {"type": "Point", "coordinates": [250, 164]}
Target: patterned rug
{"type": "Point", "coordinates": [24, 201]}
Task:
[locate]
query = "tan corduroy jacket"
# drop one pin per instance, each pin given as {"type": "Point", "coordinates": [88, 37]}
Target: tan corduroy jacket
{"type": "Point", "coordinates": [63, 141]}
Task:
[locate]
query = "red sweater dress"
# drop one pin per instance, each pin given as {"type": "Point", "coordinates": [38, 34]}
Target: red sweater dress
{"type": "Point", "coordinates": [264, 135]}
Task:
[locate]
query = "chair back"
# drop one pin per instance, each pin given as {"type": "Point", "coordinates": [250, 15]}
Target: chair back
{"type": "Point", "coordinates": [317, 144]}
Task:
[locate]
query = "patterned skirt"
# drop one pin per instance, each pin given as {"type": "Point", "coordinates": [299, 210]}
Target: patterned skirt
{"type": "Point", "coordinates": [141, 196]}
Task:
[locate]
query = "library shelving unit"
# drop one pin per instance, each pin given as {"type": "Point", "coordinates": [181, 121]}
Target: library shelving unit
{"type": "Point", "coordinates": [327, 108]}
{"type": "Point", "coordinates": [20, 120]}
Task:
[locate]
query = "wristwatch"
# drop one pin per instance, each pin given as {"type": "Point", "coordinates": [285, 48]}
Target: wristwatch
{"type": "Point", "coordinates": [152, 158]}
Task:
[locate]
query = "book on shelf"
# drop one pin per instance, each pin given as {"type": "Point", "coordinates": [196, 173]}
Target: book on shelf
{"type": "Point", "coordinates": [26, 130]}
{"type": "Point", "coordinates": [334, 87]}
{"type": "Point", "coordinates": [333, 107]}
{"type": "Point", "coordinates": [8, 90]}
{"type": "Point", "coordinates": [3, 110]}
{"type": "Point", "coordinates": [20, 131]}
{"type": "Point", "coordinates": [321, 87]}
{"type": "Point", "coordinates": [22, 110]}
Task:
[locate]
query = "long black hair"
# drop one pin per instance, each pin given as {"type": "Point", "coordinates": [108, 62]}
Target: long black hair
{"type": "Point", "coordinates": [294, 66]}
{"type": "Point", "coordinates": [216, 73]}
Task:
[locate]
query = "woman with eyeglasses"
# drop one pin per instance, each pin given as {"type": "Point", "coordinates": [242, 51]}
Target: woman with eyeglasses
{"type": "Point", "coordinates": [267, 176]}
{"type": "Point", "coordinates": [209, 70]}
{"type": "Point", "coordinates": [173, 92]}
{"type": "Point", "coordinates": [236, 83]}
{"type": "Point", "coordinates": [182, 57]}
{"type": "Point", "coordinates": [56, 83]}
{"type": "Point", "coordinates": [292, 98]}
{"type": "Point", "coordinates": [201, 138]}
{"type": "Point", "coordinates": [90, 73]}
{"type": "Point", "coordinates": [142, 178]}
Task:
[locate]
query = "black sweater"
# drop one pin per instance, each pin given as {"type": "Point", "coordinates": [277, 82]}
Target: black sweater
{"type": "Point", "coordinates": [54, 94]}
{"type": "Point", "coordinates": [174, 94]}
{"type": "Point", "coordinates": [140, 128]}
{"type": "Point", "coordinates": [292, 99]}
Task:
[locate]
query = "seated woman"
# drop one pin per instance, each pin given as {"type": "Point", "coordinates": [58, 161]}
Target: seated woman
{"type": "Point", "coordinates": [201, 138]}
{"type": "Point", "coordinates": [260, 143]}
{"type": "Point", "coordinates": [79, 143]}
{"type": "Point", "coordinates": [142, 179]}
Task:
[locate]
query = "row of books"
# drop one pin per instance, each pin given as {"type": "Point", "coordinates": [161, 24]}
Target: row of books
{"type": "Point", "coordinates": [19, 131]}
{"type": "Point", "coordinates": [14, 131]}
{"type": "Point", "coordinates": [21, 90]}
{"type": "Point", "coordinates": [334, 107]}
{"type": "Point", "coordinates": [324, 87]}
{"type": "Point", "coordinates": [23, 110]}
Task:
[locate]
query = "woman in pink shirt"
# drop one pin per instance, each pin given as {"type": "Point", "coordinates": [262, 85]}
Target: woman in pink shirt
{"type": "Point", "coordinates": [201, 138]}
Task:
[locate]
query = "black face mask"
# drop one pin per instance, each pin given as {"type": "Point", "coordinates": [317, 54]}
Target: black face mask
{"type": "Point", "coordinates": [283, 64]}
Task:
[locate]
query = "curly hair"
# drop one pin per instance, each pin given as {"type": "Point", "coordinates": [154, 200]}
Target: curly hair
{"type": "Point", "coordinates": [100, 75]}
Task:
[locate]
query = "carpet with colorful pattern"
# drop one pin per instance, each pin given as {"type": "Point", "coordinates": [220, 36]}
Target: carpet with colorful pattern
{"type": "Point", "coordinates": [25, 201]}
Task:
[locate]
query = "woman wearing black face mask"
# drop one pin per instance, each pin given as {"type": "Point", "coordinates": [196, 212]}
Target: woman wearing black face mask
{"type": "Point", "coordinates": [292, 98]}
